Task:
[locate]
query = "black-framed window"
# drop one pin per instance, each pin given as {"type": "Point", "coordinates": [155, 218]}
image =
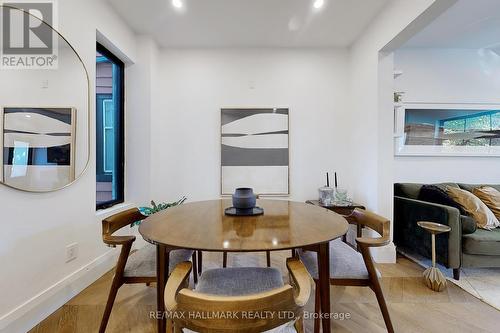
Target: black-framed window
{"type": "Point", "coordinates": [110, 146]}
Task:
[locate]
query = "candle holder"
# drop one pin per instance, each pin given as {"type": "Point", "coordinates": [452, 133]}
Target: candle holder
{"type": "Point", "coordinates": [326, 196]}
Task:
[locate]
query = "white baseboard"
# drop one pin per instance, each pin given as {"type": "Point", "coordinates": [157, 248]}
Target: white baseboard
{"type": "Point", "coordinates": [384, 255]}
{"type": "Point", "coordinates": [29, 314]}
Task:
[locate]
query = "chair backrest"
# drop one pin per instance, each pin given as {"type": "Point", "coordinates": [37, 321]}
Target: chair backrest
{"type": "Point", "coordinates": [375, 222]}
{"type": "Point", "coordinates": [250, 313]}
{"type": "Point", "coordinates": [118, 221]}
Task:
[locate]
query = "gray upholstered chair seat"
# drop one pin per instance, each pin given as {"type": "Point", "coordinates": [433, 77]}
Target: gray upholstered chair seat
{"type": "Point", "coordinates": [239, 281]}
{"type": "Point", "coordinates": [143, 261]}
{"type": "Point", "coordinates": [345, 262]}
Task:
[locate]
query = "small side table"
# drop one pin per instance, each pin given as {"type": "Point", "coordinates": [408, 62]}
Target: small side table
{"type": "Point", "coordinates": [344, 211]}
{"type": "Point", "coordinates": [434, 279]}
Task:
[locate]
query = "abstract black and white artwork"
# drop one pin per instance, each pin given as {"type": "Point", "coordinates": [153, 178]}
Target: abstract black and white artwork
{"type": "Point", "coordinates": [38, 147]}
{"type": "Point", "coordinates": [254, 150]}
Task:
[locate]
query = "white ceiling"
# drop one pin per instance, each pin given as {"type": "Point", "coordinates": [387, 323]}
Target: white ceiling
{"type": "Point", "coordinates": [467, 24]}
{"type": "Point", "coordinates": [250, 23]}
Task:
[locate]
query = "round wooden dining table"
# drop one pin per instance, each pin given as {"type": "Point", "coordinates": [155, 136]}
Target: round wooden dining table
{"type": "Point", "coordinates": [203, 226]}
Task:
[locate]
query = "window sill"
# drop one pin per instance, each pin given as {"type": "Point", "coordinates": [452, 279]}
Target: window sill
{"type": "Point", "coordinates": [113, 210]}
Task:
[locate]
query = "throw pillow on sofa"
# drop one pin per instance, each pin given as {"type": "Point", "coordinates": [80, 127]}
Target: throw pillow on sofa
{"type": "Point", "coordinates": [491, 198]}
{"type": "Point", "coordinates": [475, 207]}
{"type": "Point", "coordinates": [435, 194]}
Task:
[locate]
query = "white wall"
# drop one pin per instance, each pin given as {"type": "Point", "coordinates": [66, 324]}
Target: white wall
{"type": "Point", "coordinates": [456, 76]}
{"type": "Point", "coordinates": [193, 85]}
{"type": "Point", "coordinates": [139, 96]}
{"type": "Point", "coordinates": [371, 104]}
{"type": "Point", "coordinates": [34, 279]}
{"type": "Point", "coordinates": [372, 135]}
{"type": "Point", "coordinates": [448, 75]}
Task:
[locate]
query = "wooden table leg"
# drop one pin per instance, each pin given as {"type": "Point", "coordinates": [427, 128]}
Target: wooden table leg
{"type": "Point", "coordinates": [324, 283]}
{"type": "Point", "coordinates": [200, 262]}
{"type": "Point", "coordinates": [359, 233]}
{"type": "Point", "coordinates": [161, 279]}
{"type": "Point", "coordinates": [194, 260]}
{"type": "Point", "coordinates": [224, 259]}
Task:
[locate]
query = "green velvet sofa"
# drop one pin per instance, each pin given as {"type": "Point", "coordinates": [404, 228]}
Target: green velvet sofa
{"type": "Point", "coordinates": [463, 246]}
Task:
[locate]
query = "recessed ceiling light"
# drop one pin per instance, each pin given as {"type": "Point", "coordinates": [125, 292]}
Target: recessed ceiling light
{"type": "Point", "coordinates": [317, 4]}
{"type": "Point", "coordinates": [177, 4]}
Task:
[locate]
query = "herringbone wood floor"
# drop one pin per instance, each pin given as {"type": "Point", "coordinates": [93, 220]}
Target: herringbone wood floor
{"type": "Point", "coordinates": [413, 307]}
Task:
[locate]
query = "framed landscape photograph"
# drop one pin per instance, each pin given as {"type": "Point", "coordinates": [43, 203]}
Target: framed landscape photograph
{"type": "Point", "coordinates": [449, 130]}
{"type": "Point", "coordinates": [38, 147]}
{"type": "Point", "coordinates": [255, 150]}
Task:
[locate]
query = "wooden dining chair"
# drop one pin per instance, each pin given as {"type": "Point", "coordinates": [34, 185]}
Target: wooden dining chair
{"type": "Point", "coordinates": [349, 267]}
{"type": "Point", "coordinates": [140, 266]}
{"type": "Point", "coordinates": [244, 292]}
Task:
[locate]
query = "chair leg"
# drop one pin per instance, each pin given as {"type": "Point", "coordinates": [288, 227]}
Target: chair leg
{"type": "Point", "coordinates": [317, 307]}
{"type": "Point", "coordinates": [224, 259]}
{"type": "Point", "coordinates": [268, 258]}
{"type": "Point", "coordinates": [115, 285]}
{"type": "Point", "coordinates": [200, 262]}
{"type": "Point", "coordinates": [381, 302]}
{"type": "Point", "coordinates": [109, 304]}
{"type": "Point", "coordinates": [177, 328]}
{"type": "Point", "coordinates": [195, 269]}
{"type": "Point", "coordinates": [375, 285]}
{"type": "Point", "coordinates": [170, 326]}
{"type": "Point", "coordinates": [299, 325]}
{"type": "Point", "coordinates": [456, 273]}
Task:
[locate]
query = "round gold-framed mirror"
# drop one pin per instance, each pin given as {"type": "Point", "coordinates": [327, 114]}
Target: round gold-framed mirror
{"type": "Point", "coordinates": [45, 120]}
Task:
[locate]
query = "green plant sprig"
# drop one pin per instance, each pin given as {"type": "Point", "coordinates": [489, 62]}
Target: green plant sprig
{"type": "Point", "coordinates": [155, 208]}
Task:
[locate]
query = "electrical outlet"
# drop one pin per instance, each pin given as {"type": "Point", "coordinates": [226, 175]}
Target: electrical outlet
{"type": "Point", "coordinates": [71, 252]}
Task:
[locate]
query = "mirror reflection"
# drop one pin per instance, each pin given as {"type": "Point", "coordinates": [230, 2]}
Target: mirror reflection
{"type": "Point", "coordinates": [44, 108]}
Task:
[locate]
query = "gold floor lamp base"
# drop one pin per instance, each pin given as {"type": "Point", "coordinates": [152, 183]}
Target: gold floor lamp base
{"type": "Point", "coordinates": [434, 279]}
